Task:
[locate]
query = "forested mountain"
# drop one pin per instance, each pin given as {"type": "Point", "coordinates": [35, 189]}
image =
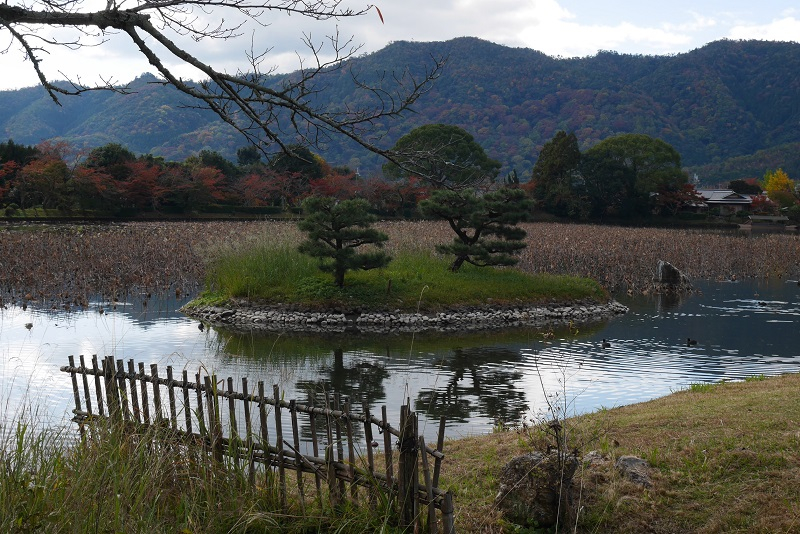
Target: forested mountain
{"type": "Point", "coordinates": [730, 108]}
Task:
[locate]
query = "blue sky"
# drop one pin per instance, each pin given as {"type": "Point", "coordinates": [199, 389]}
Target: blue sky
{"type": "Point", "coordinates": [566, 28]}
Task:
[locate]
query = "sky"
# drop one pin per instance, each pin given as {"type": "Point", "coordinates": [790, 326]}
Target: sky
{"type": "Point", "coordinates": [566, 28]}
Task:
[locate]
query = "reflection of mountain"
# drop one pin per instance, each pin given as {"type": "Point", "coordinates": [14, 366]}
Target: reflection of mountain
{"type": "Point", "coordinates": [481, 383]}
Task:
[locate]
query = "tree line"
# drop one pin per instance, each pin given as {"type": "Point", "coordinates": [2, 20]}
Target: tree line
{"type": "Point", "coordinates": [112, 181]}
{"type": "Point", "coordinates": [635, 176]}
{"type": "Point", "coordinates": [629, 176]}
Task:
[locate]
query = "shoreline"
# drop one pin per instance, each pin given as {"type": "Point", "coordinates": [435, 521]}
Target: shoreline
{"type": "Point", "coordinates": [247, 316]}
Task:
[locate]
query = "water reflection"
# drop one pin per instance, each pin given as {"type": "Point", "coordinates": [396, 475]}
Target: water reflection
{"type": "Point", "coordinates": [473, 379]}
{"type": "Point", "coordinates": [478, 382]}
{"type": "Point", "coordinates": [360, 380]}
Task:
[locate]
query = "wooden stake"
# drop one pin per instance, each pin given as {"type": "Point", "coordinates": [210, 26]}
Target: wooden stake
{"type": "Point", "coordinates": [279, 444]}
{"type": "Point", "coordinates": [298, 463]}
{"type": "Point", "coordinates": [187, 405]}
{"type": "Point", "coordinates": [137, 411]}
{"type": "Point", "coordinates": [173, 411]}
{"type": "Point", "coordinates": [145, 400]}
{"type": "Point", "coordinates": [98, 389]}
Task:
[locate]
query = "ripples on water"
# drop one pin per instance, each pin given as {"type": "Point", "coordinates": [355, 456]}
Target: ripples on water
{"type": "Point", "coordinates": [741, 329]}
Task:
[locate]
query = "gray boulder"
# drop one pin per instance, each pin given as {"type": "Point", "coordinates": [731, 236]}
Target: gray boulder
{"type": "Point", "coordinates": [533, 485]}
{"type": "Point", "coordinates": [635, 469]}
{"type": "Point", "coordinates": [670, 277]}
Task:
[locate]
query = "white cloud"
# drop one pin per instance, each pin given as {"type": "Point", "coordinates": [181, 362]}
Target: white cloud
{"type": "Point", "coordinates": [570, 39]}
{"type": "Point", "coordinates": [782, 29]}
{"type": "Point", "coordinates": [697, 22]}
{"type": "Point", "coordinates": [557, 27]}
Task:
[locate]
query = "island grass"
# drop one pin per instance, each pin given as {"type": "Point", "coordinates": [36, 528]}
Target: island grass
{"type": "Point", "coordinates": [413, 281]}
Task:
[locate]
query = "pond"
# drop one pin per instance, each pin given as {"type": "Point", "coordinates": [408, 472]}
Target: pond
{"type": "Point", "coordinates": [476, 380]}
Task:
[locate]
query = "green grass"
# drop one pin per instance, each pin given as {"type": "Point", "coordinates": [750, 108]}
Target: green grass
{"type": "Point", "coordinates": [411, 282]}
{"type": "Point", "coordinates": [702, 387]}
{"type": "Point", "coordinates": [119, 479]}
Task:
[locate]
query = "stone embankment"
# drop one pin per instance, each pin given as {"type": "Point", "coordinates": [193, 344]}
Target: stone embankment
{"type": "Point", "coordinates": [248, 316]}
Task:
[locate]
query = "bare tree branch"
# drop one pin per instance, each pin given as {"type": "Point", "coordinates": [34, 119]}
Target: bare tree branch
{"type": "Point", "coordinates": [269, 112]}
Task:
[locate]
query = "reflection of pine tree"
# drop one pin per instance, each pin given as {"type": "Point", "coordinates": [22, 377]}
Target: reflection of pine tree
{"type": "Point", "coordinates": [476, 387]}
{"type": "Point", "coordinates": [359, 383]}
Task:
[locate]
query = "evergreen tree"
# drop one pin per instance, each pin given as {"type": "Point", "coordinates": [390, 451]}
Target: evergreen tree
{"type": "Point", "coordinates": [335, 230]}
{"type": "Point", "coordinates": [485, 226]}
{"type": "Point", "coordinates": [443, 155]}
{"type": "Point", "coordinates": [556, 177]}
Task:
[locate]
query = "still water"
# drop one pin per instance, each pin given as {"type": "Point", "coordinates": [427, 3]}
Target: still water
{"type": "Point", "coordinates": [741, 329]}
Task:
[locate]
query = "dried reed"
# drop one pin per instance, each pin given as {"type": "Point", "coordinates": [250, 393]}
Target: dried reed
{"type": "Point", "coordinates": [69, 263]}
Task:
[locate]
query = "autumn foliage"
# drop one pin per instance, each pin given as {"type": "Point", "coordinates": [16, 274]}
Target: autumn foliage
{"type": "Point", "coordinates": [112, 181]}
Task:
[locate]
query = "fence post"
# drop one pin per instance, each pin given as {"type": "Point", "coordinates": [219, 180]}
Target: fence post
{"type": "Point", "coordinates": [137, 412]}
{"type": "Point", "coordinates": [407, 468]}
{"type": "Point", "coordinates": [85, 380]}
{"type": "Point", "coordinates": [387, 448]}
{"type": "Point", "coordinates": [334, 493]}
{"type": "Point", "coordinates": [448, 523]}
{"type": "Point", "coordinates": [76, 393]}
{"type": "Point", "coordinates": [315, 445]}
{"type": "Point", "coordinates": [154, 378]}
{"type": "Point", "coordinates": [145, 398]}
{"type": "Point", "coordinates": [234, 440]}
{"type": "Point", "coordinates": [351, 453]}
{"type": "Point", "coordinates": [437, 464]}
{"type": "Point", "coordinates": [187, 405]}
{"type": "Point", "coordinates": [112, 399]}
{"type": "Point", "coordinates": [214, 427]}
{"type": "Point", "coordinates": [370, 456]}
{"type": "Point", "coordinates": [298, 460]}
{"type": "Point", "coordinates": [123, 390]}
{"type": "Point", "coordinates": [98, 390]}
{"type": "Point", "coordinates": [173, 412]}
{"type": "Point", "coordinates": [248, 428]}
{"type": "Point", "coordinates": [426, 475]}
{"type": "Point", "coordinates": [262, 418]}
{"type": "Point", "coordinates": [279, 444]}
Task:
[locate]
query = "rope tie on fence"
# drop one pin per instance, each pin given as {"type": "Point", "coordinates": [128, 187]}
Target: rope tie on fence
{"type": "Point", "coordinates": [408, 444]}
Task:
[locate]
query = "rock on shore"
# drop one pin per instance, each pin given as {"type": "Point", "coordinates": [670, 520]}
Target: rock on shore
{"type": "Point", "coordinates": [251, 316]}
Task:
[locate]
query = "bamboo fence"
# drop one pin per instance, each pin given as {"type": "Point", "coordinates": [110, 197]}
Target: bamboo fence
{"type": "Point", "coordinates": [202, 410]}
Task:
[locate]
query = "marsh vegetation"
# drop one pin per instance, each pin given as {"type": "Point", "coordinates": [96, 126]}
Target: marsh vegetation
{"type": "Point", "coordinates": [57, 265]}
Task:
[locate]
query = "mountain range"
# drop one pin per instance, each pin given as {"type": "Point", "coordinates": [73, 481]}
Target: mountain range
{"type": "Point", "coordinates": [730, 108]}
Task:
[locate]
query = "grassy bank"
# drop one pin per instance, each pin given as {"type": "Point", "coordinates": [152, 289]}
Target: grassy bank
{"type": "Point", "coordinates": [725, 458]}
{"type": "Point", "coordinates": [414, 280]}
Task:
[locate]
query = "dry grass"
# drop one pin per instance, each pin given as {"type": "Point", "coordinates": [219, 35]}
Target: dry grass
{"type": "Point", "coordinates": [71, 262]}
{"type": "Point", "coordinates": [725, 459]}
{"type": "Point", "coordinates": [627, 257]}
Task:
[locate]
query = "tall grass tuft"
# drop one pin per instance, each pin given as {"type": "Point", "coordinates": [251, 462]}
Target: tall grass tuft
{"type": "Point", "coordinates": [259, 270]}
{"type": "Point", "coordinates": [120, 478]}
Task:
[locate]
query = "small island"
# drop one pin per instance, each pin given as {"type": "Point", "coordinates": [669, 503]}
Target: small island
{"type": "Point", "coordinates": [275, 285]}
